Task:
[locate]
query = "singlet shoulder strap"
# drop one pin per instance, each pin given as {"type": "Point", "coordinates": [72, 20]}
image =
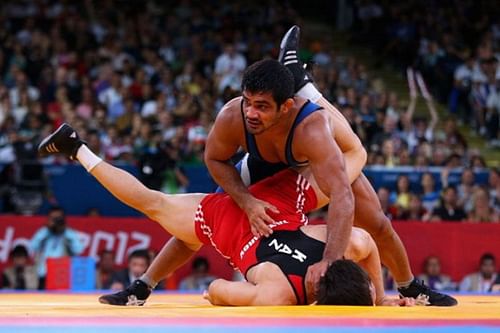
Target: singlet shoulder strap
{"type": "Point", "coordinates": [307, 109]}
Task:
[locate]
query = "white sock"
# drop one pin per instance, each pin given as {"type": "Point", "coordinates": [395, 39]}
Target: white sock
{"type": "Point", "coordinates": [309, 92]}
{"type": "Point", "coordinates": [147, 280]}
{"type": "Point", "coordinates": [87, 158]}
{"type": "Point", "coordinates": [405, 284]}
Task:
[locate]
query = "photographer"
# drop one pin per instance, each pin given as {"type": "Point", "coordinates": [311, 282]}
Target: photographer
{"type": "Point", "coordinates": [55, 240]}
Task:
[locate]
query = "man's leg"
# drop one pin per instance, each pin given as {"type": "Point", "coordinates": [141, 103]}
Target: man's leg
{"type": "Point", "coordinates": [173, 255]}
{"type": "Point", "coordinates": [368, 215]}
{"type": "Point", "coordinates": [368, 212]}
{"type": "Point", "coordinates": [174, 212]}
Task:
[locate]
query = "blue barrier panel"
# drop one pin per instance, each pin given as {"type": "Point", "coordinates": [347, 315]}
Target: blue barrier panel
{"type": "Point", "coordinates": [200, 180]}
{"type": "Point", "coordinates": [83, 273]}
{"type": "Point", "coordinates": [387, 177]}
{"type": "Point", "coordinates": [78, 192]}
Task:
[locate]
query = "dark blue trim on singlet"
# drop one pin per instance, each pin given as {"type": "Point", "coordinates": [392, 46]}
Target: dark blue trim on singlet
{"type": "Point", "coordinates": [308, 108]}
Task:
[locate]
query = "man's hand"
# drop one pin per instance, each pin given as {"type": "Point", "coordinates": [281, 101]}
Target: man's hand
{"type": "Point", "coordinates": [315, 273]}
{"type": "Point", "coordinates": [257, 216]}
{"type": "Point", "coordinates": [405, 301]}
{"type": "Point", "coordinates": [206, 295]}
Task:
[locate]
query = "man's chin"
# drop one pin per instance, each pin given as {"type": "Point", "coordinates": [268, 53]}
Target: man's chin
{"type": "Point", "coordinates": [254, 130]}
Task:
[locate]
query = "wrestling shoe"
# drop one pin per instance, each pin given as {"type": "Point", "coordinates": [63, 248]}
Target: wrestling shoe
{"type": "Point", "coordinates": [288, 56]}
{"type": "Point", "coordinates": [64, 141]}
{"type": "Point", "coordinates": [417, 289]}
{"type": "Point", "coordinates": [135, 295]}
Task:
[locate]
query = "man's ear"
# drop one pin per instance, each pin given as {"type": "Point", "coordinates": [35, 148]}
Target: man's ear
{"type": "Point", "coordinates": [287, 105]}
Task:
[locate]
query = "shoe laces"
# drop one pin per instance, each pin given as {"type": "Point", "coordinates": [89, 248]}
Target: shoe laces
{"type": "Point", "coordinates": [133, 301]}
{"type": "Point", "coordinates": [423, 285]}
{"type": "Point", "coordinates": [422, 300]}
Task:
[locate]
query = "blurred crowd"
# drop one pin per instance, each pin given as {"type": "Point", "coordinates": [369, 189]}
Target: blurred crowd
{"type": "Point", "coordinates": [455, 44]}
{"type": "Point", "coordinates": [485, 279]}
{"type": "Point", "coordinates": [143, 84]}
{"type": "Point", "coordinates": [28, 266]}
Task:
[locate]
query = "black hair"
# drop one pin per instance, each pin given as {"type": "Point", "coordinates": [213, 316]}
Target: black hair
{"type": "Point", "coordinates": [56, 208]}
{"type": "Point", "coordinates": [200, 262]}
{"type": "Point", "coordinates": [344, 283]}
{"type": "Point", "coordinates": [269, 76]}
{"type": "Point", "coordinates": [19, 251]}
{"type": "Point", "coordinates": [487, 256]}
{"type": "Point", "coordinates": [143, 253]}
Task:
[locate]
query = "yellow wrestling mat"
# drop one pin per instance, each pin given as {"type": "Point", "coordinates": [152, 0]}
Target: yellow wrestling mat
{"type": "Point", "coordinates": [49, 312]}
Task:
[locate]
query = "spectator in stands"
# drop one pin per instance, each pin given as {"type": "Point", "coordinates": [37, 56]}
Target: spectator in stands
{"type": "Point", "coordinates": [105, 269]}
{"type": "Point", "coordinates": [229, 67]}
{"type": "Point", "coordinates": [466, 189]}
{"type": "Point", "coordinates": [415, 211]}
{"type": "Point", "coordinates": [484, 99]}
{"type": "Point", "coordinates": [138, 262]}
{"type": "Point", "coordinates": [481, 209]}
{"type": "Point", "coordinates": [432, 275]}
{"type": "Point", "coordinates": [483, 280]}
{"type": "Point", "coordinates": [459, 96]}
{"type": "Point", "coordinates": [448, 210]}
{"type": "Point", "coordinates": [429, 196]}
{"type": "Point", "coordinates": [401, 197]}
{"type": "Point", "coordinates": [199, 279]}
{"type": "Point", "coordinates": [20, 274]}
{"type": "Point", "coordinates": [389, 210]}
{"type": "Point", "coordinates": [451, 136]}
{"type": "Point", "coordinates": [494, 187]}
{"type": "Point", "coordinates": [417, 130]}
{"type": "Point", "coordinates": [54, 240]}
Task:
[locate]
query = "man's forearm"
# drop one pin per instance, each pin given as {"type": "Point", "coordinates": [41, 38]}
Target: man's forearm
{"type": "Point", "coordinates": [339, 224]}
{"type": "Point", "coordinates": [227, 177]}
{"type": "Point", "coordinates": [371, 264]}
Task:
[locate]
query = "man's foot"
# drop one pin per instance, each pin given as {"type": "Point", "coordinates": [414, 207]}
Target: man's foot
{"type": "Point", "coordinates": [64, 141]}
{"type": "Point", "coordinates": [289, 49]}
{"type": "Point", "coordinates": [418, 288]}
{"type": "Point", "coordinates": [135, 295]}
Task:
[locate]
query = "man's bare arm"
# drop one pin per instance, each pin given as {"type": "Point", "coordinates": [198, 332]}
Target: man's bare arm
{"type": "Point", "coordinates": [327, 164]}
{"type": "Point", "coordinates": [223, 142]}
{"type": "Point", "coordinates": [315, 142]}
{"type": "Point", "coordinates": [362, 249]}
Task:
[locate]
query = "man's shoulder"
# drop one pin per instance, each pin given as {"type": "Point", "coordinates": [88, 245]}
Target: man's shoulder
{"type": "Point", "coordinates": [231, 111]}
{"type": "Point", "coordinates": [312, 122]}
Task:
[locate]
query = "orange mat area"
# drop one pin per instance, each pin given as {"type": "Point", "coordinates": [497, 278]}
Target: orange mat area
{"type": "Point", "coordinates": [187, 306]}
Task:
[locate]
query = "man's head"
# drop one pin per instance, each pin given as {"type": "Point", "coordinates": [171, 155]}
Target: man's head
{"type": "Point", "coordinates": [56, 221]}
{"type": "Point", "coordinates": [487, 265]}
{"type": "Point", "coordinates": [138, 262]}
{"type": "Point", "coordinates": [19, 256]}
{"type": "Point", "coordinates": [449, 195]}
{"type": "Point", "coordinates": [345, 283]}
{"type": "Point", "coordinates": [432, 266]}
{"type": "Point", "coordinates": [200, 266]}
{"type": "Point", "coordinates": [268, 89]}
{"type": "Point", "coordinates": [106, 260]}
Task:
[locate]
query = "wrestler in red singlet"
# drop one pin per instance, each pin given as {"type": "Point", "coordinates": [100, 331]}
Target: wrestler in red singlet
{"type": "Point", "coordinates": [222, 224]}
